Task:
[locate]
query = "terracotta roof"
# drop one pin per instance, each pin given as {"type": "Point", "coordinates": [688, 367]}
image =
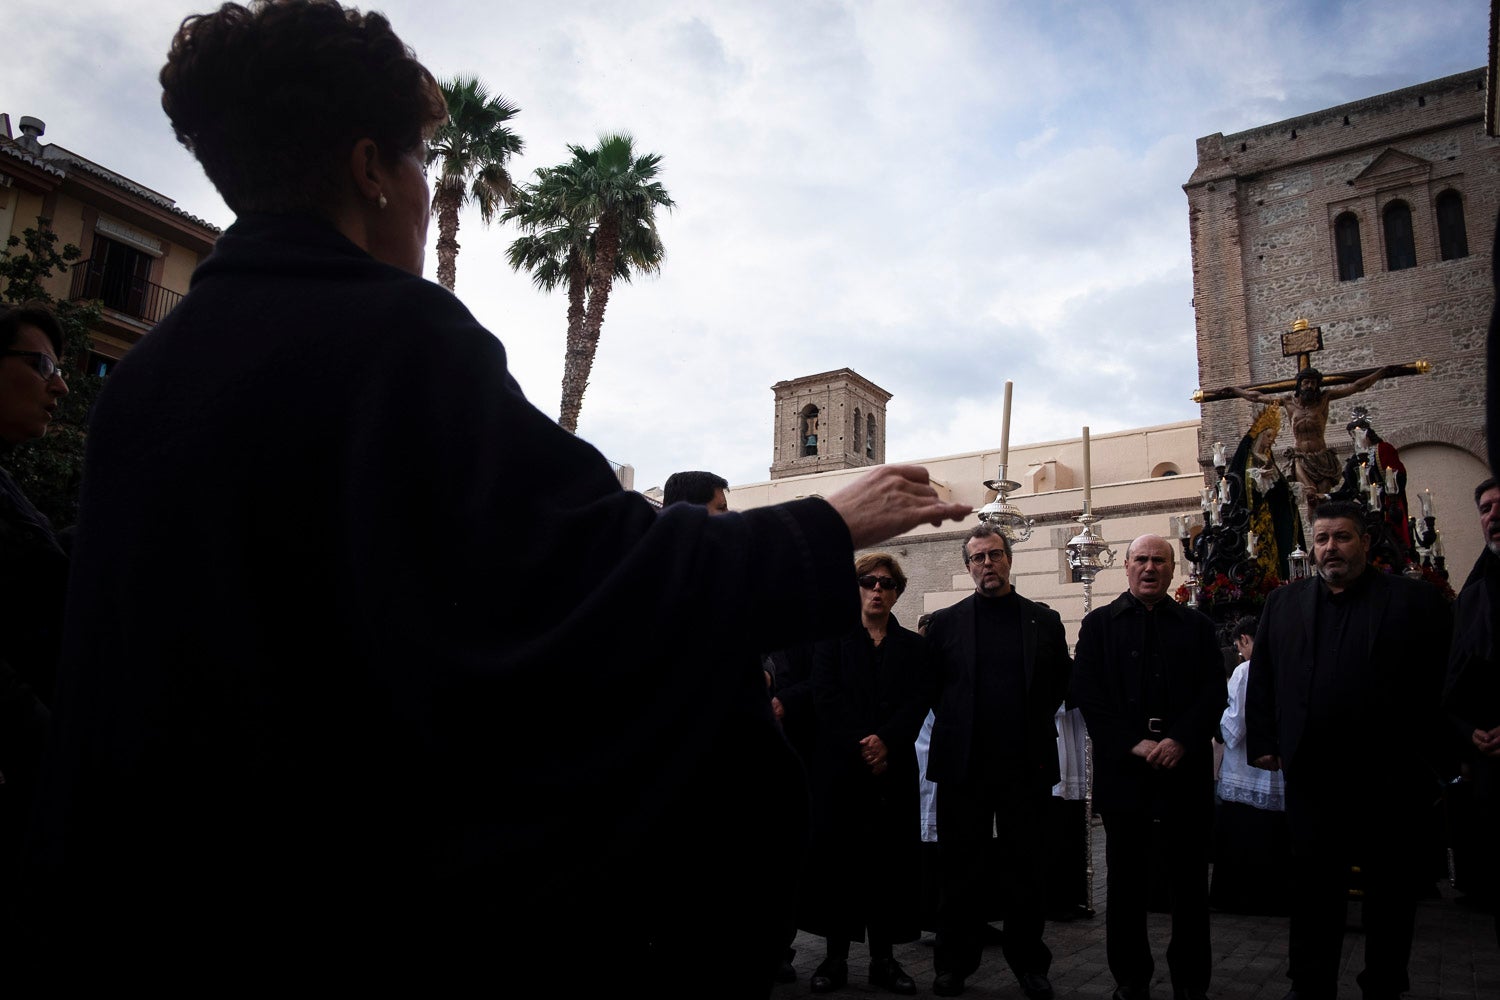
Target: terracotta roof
{"type": "Point", "coordinates": [59, 161]}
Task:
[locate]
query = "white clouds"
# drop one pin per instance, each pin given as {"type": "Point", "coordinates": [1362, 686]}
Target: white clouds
{"type": "Point", "coordinates": [940, 196]}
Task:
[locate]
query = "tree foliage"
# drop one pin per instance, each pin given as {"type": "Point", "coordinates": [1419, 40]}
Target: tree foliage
{"type": "Point", "coordinates": [587, 223]}
{"type": "Point", "coordinates": [471, 150]}
{"type": "Point", "coordinates": [50, 470]}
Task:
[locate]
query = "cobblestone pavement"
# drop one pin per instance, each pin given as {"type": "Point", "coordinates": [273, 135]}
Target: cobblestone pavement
{"type": "Point", "coordinates": [1455, 956]}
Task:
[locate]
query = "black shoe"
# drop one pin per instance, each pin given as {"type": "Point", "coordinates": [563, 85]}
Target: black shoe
{"type": "Point", "coordinates": [888, 975]}
{"type": "Point", "coordinates": [830, 975]}
{"type": "Point", "coordinates": [948, 984]}
{"type": "Point", "coordinates": [1131, 993]}
{"type": "Point", "coordinates": [1035, 985]}
{"type": "Point", "coordinates": [786, 973]}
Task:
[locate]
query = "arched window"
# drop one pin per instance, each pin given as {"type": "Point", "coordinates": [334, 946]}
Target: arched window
{"type": "Point", "coordinates": [809, 430]}
{"type": "Point", "coordinates": [1400, 246]}
{"type": "Point", "coordinates": [858, 427]}
{"type": "Point", "coordinates": [1453, 236]}
{"type": "Point", "coordinates": [1346, 240]}
{"type": "Point", "coordinates": [870, 438]}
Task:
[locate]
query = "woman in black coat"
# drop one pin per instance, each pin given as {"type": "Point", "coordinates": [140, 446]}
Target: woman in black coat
{"type": "Point", "coordinates": [870, 688]}
{"type": "Point", "coordinates": [33, 573]}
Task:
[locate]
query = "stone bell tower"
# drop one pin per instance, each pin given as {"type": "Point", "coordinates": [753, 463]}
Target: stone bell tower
{"type": "Point", "coordinates": [826, 422]}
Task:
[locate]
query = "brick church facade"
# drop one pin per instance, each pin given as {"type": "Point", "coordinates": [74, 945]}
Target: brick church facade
{"type": "Point", "coordinates": [1373, 221]}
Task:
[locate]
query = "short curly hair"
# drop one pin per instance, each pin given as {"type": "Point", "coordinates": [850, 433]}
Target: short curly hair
{"type": "Point", "coordinates": [271, 98]}
{"type": "Point", "coordinates": [871, 561]}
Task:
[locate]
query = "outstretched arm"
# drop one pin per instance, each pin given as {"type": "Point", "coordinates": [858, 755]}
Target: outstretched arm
{"type": "Point", "coordinates": [1363, 382]}
{"type": "Point", "coordinates": [1254, 395]}
{"type": "Point", "coordinates": [889, 501]}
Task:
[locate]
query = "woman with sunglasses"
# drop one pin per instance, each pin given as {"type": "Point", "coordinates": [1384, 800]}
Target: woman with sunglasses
{"type": "Point", "coordinates": [870, 691]}
{"type": "Point", "coordinates": [33, 571]}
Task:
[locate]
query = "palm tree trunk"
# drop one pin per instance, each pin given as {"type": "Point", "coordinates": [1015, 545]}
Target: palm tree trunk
{"type": "Point", "coordinates": [577, 357]}
{"type": "Point", "coordinates": [447, 202]}
{"type": "Point", "coordinates": [601, 281]}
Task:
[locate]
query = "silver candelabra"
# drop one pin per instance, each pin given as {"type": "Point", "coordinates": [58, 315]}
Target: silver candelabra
{"type": "Point", "coordinates": [1088, 553]}
{"type": "Point", "coordinates": [1002, 513]}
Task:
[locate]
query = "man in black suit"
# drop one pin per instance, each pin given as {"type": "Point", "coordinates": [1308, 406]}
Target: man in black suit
{"type": "Point", "coordinates": [1473, 694]}
{"type": "Point", "coordinates": [1002, 669]}
{"type": "Point", "coordinates": [1150, 682]}
{"type": "Point", "coordinates": [1344, 699]}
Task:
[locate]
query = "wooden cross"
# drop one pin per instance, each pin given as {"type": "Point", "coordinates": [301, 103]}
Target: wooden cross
{"type": "Point", "coordinates": [1300, 342]}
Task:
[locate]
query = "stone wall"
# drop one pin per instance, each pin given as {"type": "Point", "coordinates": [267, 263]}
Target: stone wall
{"type": "Point", "coordinates": [1262, 205]}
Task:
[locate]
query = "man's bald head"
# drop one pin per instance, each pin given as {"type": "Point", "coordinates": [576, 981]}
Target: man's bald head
{"type": "Point", "coordinates": [1149, 565]}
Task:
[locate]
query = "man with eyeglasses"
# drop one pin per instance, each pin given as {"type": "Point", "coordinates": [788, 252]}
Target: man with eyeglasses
{"type": "Point", "coordinates": [1150, 682]}
{"type": "Point", "coordinates": [1002, 670]}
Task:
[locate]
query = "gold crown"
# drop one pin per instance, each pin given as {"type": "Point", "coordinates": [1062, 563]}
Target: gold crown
{"type": "Point", "coordinates": [1268, 419]}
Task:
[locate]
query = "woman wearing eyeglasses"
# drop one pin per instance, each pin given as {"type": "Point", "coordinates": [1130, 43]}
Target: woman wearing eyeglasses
{"type": "Point", "coordinates": [33, 571]}
{"type": "Point", "coordinates": [863, 873]}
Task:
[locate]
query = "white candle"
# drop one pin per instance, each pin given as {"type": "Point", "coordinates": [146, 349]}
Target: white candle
{"type": "Point", "coordinates": [1005, 428]}
{"type": "Point", "coordinates": [1088, 481]}
{"type": "Point", "coordinates": [1390, 479]}
{"type": "Point", "coordinates": [1426, 499]}
{"type": "Point", "coordinates": [1437, 545]}
{"type": "Point", "coordinates": [1219, 462]}
{"type": "Point", "coordinates": [1250, 545]}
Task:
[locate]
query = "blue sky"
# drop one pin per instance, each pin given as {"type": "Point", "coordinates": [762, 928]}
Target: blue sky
{"type": "Point", "coordinates": [941, 196]}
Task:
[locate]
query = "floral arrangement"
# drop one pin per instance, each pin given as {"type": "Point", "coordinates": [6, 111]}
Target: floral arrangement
{"type": "Point", "coordinates": [1222, 590]}
{"type": "Point", "coordinates": [1420, 571]}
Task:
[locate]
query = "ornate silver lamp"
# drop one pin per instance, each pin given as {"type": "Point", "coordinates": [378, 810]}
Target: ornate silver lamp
{"type": "Point", "coordinates": [1299, 563]}
{"type": "Point", "coordinates": [1088, 553]}
{"type": "Point", "coordinates": [1002, 513]}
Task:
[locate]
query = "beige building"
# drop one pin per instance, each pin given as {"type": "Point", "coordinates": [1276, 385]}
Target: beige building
{"type": "Point", "coordinates": [1137, 488]}
{"type": "Point", "coordinates": [139, 248]}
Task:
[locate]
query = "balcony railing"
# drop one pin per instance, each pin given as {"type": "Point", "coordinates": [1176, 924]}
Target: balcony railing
{"type": "Point", "coordinates": [145, 300]}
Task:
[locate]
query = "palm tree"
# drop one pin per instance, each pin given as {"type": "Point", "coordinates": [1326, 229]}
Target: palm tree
{"type": "Point", "coordinates": [589, 222]}
{"type": "Point", "coordinates": [472, 147]}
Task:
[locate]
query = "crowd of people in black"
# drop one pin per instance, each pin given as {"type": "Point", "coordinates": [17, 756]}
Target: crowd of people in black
{"type": "Point", "coordinates": [358, 666]}
{"type": "Point", "coordinates": [1288, 817]}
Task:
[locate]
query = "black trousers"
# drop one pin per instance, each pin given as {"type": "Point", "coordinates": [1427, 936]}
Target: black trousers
{"type": "Point", "coordinates": [1338, 821]}
{"type": "Point", "coordinates": [1184, 829]}
{"type": "Point", "coordinates": [992, 842]}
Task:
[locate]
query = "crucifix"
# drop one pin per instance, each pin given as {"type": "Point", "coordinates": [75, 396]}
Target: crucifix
{"type": "Point", "coordinates": [1314, 464]}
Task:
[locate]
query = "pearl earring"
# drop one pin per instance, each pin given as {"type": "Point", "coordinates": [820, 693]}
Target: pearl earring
{"type": "Point", "coordinates": [382, 201]}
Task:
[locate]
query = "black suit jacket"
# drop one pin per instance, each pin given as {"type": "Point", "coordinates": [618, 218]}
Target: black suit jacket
{"type": "Point", "coordinates": [1109, 688]}
{"type": "Point", "coordinates": [853, 701]}
{"type": "Point", "coordinates": [1410, 625]}
{"type": "Point", "coordinates": [1044, 656]}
